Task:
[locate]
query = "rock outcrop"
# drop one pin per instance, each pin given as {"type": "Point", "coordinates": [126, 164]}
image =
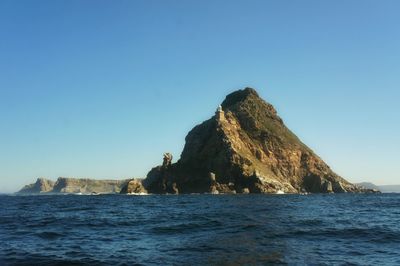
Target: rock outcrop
{"type": "Point", "coordinates": [41, 185]}
{"type": "Point", "coordinates": [133, 186]}
{"type": "Point", "coordinates": [245, 148]}
{"type": "Point", "coordinates": [161, 178]}
{"type": "Point", "coordinates": [75, 185]}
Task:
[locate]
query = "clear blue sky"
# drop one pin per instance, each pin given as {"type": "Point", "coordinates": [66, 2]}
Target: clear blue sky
{"type": "Point", "coordinates": [102, 88]}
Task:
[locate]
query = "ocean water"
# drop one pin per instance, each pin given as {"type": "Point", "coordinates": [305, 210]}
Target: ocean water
{"type": "Point", "coordinates": [341, 229]}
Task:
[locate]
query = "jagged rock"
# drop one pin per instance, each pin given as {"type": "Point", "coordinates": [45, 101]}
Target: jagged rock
{"type": "Point", "coordinates": [159, 180]}
{"type": "Point", "coordinates": [167, 160]}
{"type": "Point", "coordinates": [245, 191]}
{"type": "Point", "coordinates": [174, 188]}
{"type": "Point", "coordinates": [247, 147]}
{"type": "Point", "coordinates": [214, 190]}
{"type": "Point", "coordinates": [326, 187]}
{"type": "Point", "coordinates": [338, 187]}
{"type": "Point", "coordinates": [41, 185]}
{"type": "Point", "coordinates": [212, 178]}
{"type": "Point", "coordinates": [133, 186]}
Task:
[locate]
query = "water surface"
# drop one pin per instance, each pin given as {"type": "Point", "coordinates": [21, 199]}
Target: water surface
{"type": "Point", "coordinates": [359, 229]}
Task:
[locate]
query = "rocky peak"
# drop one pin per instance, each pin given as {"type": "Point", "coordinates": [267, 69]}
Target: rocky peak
{"type": "Point", "coordinates": [239, 96]}
{"type": "Point", "coordinates": [245, 147]}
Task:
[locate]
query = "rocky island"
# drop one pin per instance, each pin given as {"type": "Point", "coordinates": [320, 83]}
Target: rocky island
{"type": "Point", "coordinates": [244, 148]}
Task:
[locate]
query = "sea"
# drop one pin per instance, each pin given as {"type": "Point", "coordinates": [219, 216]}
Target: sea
{"type": "Point", "coordinates": [315, 229]}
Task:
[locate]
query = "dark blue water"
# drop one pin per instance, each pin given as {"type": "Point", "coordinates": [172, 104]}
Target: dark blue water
{"type": "Point", "coordinates": [200, 230]}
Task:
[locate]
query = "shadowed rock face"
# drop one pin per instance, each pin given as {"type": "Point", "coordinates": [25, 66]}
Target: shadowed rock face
{"type": "Point", "coordinates": [244, 148]}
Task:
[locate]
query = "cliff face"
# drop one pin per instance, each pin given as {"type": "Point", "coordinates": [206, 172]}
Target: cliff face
{"type": "Point", "coordinates": [74, 185]}
{"type": "Point", "coordinates": [41, 185]}
{"type": "Point", "coordinates": [244, 148]}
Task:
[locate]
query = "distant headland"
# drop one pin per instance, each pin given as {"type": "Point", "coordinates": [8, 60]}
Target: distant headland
{"type": "Point", "coordinates": [74, 186]}
{"type": "Point", "coordinates": [244, 148]}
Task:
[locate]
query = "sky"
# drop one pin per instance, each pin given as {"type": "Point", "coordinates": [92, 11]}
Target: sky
{"type": "Point", "coordinates": [102, 89]}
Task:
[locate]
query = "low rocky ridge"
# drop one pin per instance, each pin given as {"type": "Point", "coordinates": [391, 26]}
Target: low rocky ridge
{"type": "Point", "coordinates": [390, 188]}
{"type": "Point", "coordinates": [245, 148]}
{"type": "Point", "coordinates": [368, 185]}
{"type": "Point", "coordinates": [381, 188]}
{"type": "Point", "coordinates": [74, 185]}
